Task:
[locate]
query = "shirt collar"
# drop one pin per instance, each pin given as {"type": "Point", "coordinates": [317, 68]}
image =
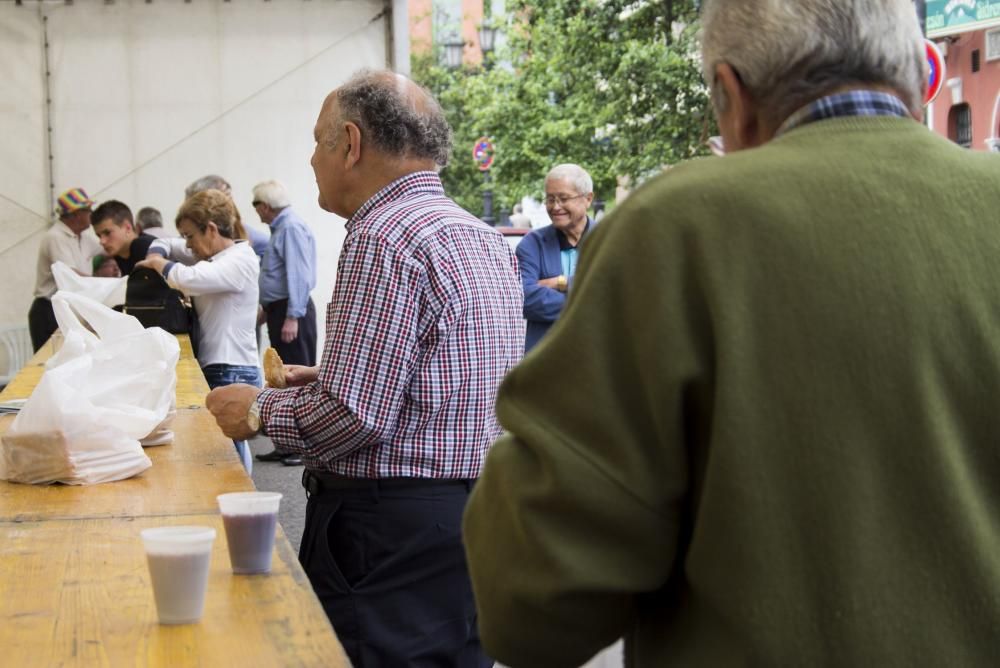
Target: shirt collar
{"type": "Point", "coordinates": [280, 218]}
{"type": "Point", "coordinates": [860, 102]}
{"type": "Point", "coordinates": [65, 230]}
{"type": "Point", "coordinates": [564, 242]}
{"type": "Point", "coordinates": [405, 186]}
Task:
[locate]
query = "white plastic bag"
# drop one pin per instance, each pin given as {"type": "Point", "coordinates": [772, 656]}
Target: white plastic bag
{"type": "Point", "coordinates": [108, 291]}
{"type": "Point", "coordinates": [101, 392]}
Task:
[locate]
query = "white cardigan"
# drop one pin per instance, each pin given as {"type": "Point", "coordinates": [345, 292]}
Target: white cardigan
{"type": "Point", "coordinates": [225, 293]}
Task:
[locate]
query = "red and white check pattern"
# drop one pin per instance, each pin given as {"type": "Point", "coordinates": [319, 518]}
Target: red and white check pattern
{"type": "Point", "coordinates": [424, 323]}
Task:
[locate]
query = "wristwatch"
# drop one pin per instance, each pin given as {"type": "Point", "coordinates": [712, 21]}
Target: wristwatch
{"type": "Point", "coordinates": [253, 417]}
{"type": "Point", "coordinates": [561, 283]}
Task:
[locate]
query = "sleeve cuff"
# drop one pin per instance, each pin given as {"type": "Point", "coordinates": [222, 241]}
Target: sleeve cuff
{"type": "Point", "coordinates": [266, 399]}
{"type": "Point", "coordinates": [162, 252]}
{"type": "Point", "coordinates": [167, 267]}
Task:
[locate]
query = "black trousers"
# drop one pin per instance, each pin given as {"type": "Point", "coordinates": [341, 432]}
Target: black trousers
{"type": "Point", "coordinates": [301, 349]}
{"type": "Point", "coordinates": [386, 561]}
{"type": "Point", "coordinates": [41, 322]}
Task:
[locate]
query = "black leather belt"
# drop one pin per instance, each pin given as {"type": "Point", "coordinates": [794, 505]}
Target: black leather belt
{"type": "Point", "coordinates": [316, 482]}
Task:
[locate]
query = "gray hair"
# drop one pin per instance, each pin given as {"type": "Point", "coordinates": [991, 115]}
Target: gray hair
{"type": "Point", "coordinates": [149, 217]}
{"type": "Point", "coordinates": [272, 193]}
{"type": "Point", "coordinates": [575, 174]}
{"type": "Point", "coordinates": [399, 117]}
{"type": "Point", "coordinates": [208, 182]}
{"type": "Point", "coordinates": [790, 52]}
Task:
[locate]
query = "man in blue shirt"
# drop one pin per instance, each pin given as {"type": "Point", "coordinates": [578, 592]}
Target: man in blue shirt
{"type": "Point", "coordinates": [547, 256]}
{"type": "Point", "coordinates": [287, 276]}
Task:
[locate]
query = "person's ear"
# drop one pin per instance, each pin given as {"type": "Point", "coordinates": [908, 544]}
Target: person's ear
{"type": "Point", "coordinates": [352, 149]}
{"type": "Point", "coordinates": [739, 120]}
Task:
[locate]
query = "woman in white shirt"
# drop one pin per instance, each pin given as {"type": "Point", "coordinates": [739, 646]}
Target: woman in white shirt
{"type": "Point", "coordinates": [211, 264]}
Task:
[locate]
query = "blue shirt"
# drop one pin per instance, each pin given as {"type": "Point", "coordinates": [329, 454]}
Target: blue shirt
{"type": "Point", "coordinates": [288, 270]}
{"type": "Point", "coordinates": [258, 240]}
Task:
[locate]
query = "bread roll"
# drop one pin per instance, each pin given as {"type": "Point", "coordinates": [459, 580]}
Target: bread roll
{"type": "Point", "coordinates": [274, 369]}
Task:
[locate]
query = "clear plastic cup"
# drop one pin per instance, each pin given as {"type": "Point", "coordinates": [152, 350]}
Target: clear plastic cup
{"type": "Point", "coordinates": [178, 560]}
{"type": "Point", "coordinates": [250, 519]}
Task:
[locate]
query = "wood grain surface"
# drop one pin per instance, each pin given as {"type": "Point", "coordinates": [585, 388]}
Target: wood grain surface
{"type": "Point", "coordinates": [77, 592]}
{"type": "Point", "coordinates": [74, 585]}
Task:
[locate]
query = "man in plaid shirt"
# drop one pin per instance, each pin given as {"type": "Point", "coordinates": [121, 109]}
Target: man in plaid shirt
{"type": "Point", "coordinates": [395, 422]}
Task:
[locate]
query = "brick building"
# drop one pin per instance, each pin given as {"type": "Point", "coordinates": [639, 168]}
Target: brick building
{"type": "Point", "coordinates": [968, 34]}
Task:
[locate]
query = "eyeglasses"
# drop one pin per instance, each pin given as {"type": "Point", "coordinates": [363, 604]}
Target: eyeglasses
{"type": "Point", "coordinates": [552, 200]}
{"type": "Point", "coordinates": [256, 202]}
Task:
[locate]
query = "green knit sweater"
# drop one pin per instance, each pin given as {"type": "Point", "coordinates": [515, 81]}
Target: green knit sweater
{"type": "Point", "coordinates": [766, 429]}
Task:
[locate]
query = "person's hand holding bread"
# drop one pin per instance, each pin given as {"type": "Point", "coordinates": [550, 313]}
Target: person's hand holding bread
{"type": "Point", "coordinates": [279, 375]}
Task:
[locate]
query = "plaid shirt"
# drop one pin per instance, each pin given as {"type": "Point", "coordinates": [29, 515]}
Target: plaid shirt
{"type": "Point", "coordinates": [851, 103]}
{"type": "Point", "coordinates": [424, 323]}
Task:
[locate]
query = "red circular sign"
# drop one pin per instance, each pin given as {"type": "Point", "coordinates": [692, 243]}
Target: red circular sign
{"type": "Point", "coordinates": [482, 153]}
{"type": "Point", "coordinates": [935, 80]}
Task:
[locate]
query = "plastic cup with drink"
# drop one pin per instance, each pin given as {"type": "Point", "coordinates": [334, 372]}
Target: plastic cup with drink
{"type": "Point", "coordinates": [178, 558]}
{"type": "Point", "coordinates": [250, 519]}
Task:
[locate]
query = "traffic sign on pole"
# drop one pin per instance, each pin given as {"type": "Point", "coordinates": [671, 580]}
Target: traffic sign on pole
{"type": "Point", "coordinates": [482, 153]}
{"type": "Point", "coordinates": [936, 75]}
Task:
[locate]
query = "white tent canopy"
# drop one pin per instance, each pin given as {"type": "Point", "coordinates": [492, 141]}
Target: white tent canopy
{"type": "Point", "coordinates": [144, 97]}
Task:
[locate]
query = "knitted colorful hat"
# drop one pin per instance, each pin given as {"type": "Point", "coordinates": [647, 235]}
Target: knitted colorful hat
{"type": "Point", "coordinates": [72, 200]}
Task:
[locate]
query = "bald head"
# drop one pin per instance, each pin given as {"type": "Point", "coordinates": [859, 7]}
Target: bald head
{"type": "Point", "coordinates": [396, 116]}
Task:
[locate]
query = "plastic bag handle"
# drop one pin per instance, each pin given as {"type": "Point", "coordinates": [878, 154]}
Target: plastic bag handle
{"type": "Point", "coordinates": [73, 310]}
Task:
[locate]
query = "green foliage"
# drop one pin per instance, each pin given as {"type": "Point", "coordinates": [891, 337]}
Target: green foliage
{"type": "Point", "coordinates": [613, 85]}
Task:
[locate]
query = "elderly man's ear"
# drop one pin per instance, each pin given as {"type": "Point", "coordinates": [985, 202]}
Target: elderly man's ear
{"type": "Point", "coordinates": [738, 115]}
{"type": "Point", "coordinates": [352, 148]}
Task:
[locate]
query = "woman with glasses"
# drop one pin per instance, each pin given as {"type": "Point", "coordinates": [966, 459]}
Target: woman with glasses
{"type": "Point", "coordinates": [219, 270]}
{"type": "Point", "coordinates": [547, 256]}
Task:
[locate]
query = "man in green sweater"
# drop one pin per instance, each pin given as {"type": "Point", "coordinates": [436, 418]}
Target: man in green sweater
{"type": "Point", "coordinates": [766, 429]}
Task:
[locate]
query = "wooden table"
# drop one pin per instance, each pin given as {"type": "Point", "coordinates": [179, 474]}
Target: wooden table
{"type": "Point", "coordinates": [74, 586]}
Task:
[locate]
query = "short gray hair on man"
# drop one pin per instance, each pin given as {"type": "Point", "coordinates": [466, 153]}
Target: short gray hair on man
{"type": "Point", "coordinates": [575, 174]}
{"type": "Point", "coordinates": [208, 182]}
{"type": "Point", "coordinates": [149, 217]}
{"type": "Point", "coordinates": [399, 117]}
{"type": "Point", "coordinates": [790, 52]}
{"type": "Point", "coordinates": [272, 193]}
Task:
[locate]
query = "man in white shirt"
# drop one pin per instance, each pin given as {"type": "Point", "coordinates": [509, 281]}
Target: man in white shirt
{"type": "Point", "coordinates": [69, 240]}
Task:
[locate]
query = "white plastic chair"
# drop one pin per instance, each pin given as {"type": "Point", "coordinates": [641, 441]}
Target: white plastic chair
{"type": "Point", "coordinates": [16, 343]}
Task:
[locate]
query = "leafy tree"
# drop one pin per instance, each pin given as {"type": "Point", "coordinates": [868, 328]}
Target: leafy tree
{"type": "Point", "coordinates": [613, 85]}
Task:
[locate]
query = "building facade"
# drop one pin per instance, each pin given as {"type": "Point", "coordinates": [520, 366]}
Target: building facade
{"type": "Point", "coordinates": [967, 32]}
{"type": "Point", "coordinates": [434, 23]}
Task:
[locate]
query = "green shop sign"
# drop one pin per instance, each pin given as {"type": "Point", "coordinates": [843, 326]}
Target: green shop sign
{"type": "Point", "coordinates": [946, 17]}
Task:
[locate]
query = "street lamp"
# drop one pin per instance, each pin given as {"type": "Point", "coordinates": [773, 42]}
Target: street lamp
{"type": "Point", "coordinates": [487, 38]}
{"type": "Point", "coordinates": [454, 49]}
{"type": "Point", "coordinates": [487, 42]}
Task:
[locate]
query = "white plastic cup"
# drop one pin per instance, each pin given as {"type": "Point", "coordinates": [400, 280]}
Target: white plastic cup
{"type": "Point", "coordinates": [250, 519]}
{"type": "Point", "coordinates": [178, 559]}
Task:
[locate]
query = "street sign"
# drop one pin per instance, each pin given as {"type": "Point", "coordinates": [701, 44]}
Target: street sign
{"type": "Point", "coordinates": [482, 153]}
{"type": "Point", "coordinates": [937, 72]}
